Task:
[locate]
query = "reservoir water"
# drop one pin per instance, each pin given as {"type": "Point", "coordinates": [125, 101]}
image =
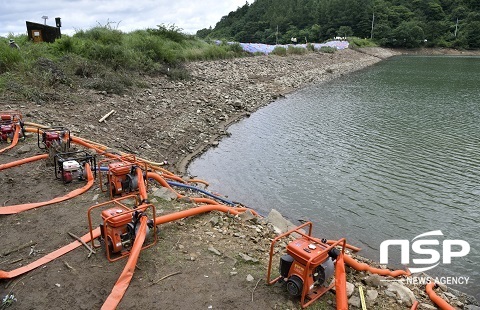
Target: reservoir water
{"type": "Point", "coordinates": [389, 152]}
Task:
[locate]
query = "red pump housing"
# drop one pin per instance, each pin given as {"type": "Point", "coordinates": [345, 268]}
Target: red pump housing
{"type": "Point", "coordinates": [307, 266]}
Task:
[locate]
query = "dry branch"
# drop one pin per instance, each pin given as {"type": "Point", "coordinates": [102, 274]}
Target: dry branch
{"type": "Point", "coordinates": [83, 242]}
{"type": "Point", "coordinates": [167, 276]}
{"type": "Point", "coordinates": [21, 247]}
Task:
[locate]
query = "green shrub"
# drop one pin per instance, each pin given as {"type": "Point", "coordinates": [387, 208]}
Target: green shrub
{"type": "Point", "coordinates": [296, 50]}
{"type": "Point", "coordinates": [170, 32]}
{"type": "Point", "coordinates": [177, 72]}
{"type": "Point", "coordinates": [63, 45]}
{"type": "Point", "coordinates": [236, 48]}
{"type": "Point", "coordinates": [444, 43]}
{"type": "Point", "coordinates": [9, 57]}
{"type": "Point", "coordinates": [279, 51]}
{"type": "Point", "coordinates": [310, 47]}
{"type": "Point", "coordinates": [112, 82]}
{"type": "Point", "coordinates": [104, 35]}
{"type": "Point", "coordinates": [357, 42]}
{"type": "Point", "coordinates": [328, 49]}
{"type": "Point", "coordinates": [102, 58]}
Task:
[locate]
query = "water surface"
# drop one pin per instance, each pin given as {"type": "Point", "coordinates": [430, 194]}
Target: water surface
{"type": "Point", "coordinates": [389, 152]}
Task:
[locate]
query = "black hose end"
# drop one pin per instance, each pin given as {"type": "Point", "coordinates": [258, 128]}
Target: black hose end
{"type": "Point", "coordinates": [334, 253]}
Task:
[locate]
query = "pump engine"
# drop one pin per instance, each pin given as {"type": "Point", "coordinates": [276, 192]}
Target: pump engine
{"type": "Point", "coordinates": [121, 229]}
{"type": "Point", "coordinates": [54, 137]}
{"type": "Point", "coordinates": [71, 166]}
{"type": "Point", "coordinates": [308, 265]}
{"type": "Point", "coordinates": [120, 225]}
{"type": "Point", "coordinates": [9, 120]}
{"type": "Point", "coordinates": [122, 176]}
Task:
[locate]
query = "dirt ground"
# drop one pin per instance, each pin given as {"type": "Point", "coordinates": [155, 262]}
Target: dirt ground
{"type": "Point", "coordinates": [172, 121]}
{"type": "Point", "coordinates": [205, 280]}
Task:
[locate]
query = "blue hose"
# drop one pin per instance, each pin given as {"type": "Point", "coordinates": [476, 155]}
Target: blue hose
{"type": "Point", "coordinates": [171, 183]}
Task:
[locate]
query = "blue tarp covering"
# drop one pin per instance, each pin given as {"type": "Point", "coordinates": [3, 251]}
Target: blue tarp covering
{"type": "Point", "coordinates": [267, 49]}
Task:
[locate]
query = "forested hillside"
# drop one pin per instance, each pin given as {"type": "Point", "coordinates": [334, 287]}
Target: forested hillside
{"type": "Point", "coordinates": [391, 23]}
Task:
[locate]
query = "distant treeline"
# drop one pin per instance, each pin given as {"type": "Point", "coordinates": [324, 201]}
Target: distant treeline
{"type": "Point", "coordinates": [390, 23]}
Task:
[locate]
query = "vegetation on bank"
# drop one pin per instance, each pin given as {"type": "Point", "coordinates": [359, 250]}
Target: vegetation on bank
{"type": "Point", "coordinates": [107, 59]}
{"type": "Point", "coordinates": [102, 58]}
{"type": "Point", "coordinates": [390, 23]}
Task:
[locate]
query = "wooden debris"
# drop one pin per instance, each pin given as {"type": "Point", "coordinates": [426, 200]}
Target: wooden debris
{"type": "Point", "coordinates": [21, 247]}
{"type": "Point", "coordinates": [165, 277]}
{"type": "Point", "coordinates": [106, 116]}
{"type": "Point", "coordinates": [83, 242]}
{"type": "Point", "coordinates": [255, 287]}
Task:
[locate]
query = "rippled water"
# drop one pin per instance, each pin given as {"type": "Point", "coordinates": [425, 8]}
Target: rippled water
{"type": "Point", "coordinates": [389, 152]}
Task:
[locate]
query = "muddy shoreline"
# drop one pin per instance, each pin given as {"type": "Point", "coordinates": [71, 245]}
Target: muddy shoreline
{"type": "Point", "coordinates": [314, 69]}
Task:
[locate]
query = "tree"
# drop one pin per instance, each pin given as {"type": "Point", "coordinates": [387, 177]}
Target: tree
{"type": "Point", "coordinates": [397, 22]}
{"type": "Point", "coordinates": [472, 35]}
{"type": "Point", "coordinates": [345, 31]}
{"type": "Point", "coordinates": [203, 33]}
{"type": "Point", "coordinates": [408, 34]}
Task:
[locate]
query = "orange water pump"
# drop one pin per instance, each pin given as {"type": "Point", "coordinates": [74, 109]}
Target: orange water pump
{"type": "Point", "coordinates": [120, 224]}
{"type": "Point", "coordinates": [53, 137]}
{"type": "Point", "coordinates": [9, 120]}
{"type": "Point", "coordinates": [122, 177]}
{"type": "Point", "coordinates": [308, 265]}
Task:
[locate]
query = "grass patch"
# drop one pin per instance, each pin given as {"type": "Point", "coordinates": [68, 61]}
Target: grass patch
{"type": "Point", "coordinates": [357, 42]}
{"type": "Point", "coordinates": [103, 58]}
{"type": "Point", "coordinates": [295, 50]}
{"type": "Point", "coordinates": [327, 49]}
{"type": "Point", "coordinates": [279, 51]}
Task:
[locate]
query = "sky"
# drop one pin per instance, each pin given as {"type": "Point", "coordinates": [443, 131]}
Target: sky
{"type": "Point", "coordinates": [189, 15]}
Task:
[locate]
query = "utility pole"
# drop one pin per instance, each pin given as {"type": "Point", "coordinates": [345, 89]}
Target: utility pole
{"type": "Point", "coordinates": [373, 21]}
{"type": "Point", "coordinates": [456, 28]}
{"type": "Point", "coordinates": [276, 36]}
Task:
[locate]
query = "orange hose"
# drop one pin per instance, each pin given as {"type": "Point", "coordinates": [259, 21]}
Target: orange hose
{"type": "Point", "coordinates": [123, 281]}
{"type": "Point", "coordinates": [348, 246]}
{"type": "Point", "coordinates": [90, 146]}
{"type": "Point", "coordinates": [179, 179]}
{"type": "Point", "coordinates": [96, 233]}
{"type": "Point", "coordinates": [195, 211]}
{"type": "Point", "coordinates": [141, 185]}
{"type": "Point", "coordinates": [198, 181]}
{"type": "Point", "coordinates": [23, 161]}
{"type": "Point", "coordinates": [14, 141]}
{"type": "Point", "coordinates": [28, 206]}
{"type": "Point", "coordinates": [162, 182]}
{"type": "Point", "coordinates": [442, 304]}
{"type": "Point", "coordinates": [383, 272]}
{"type": "Point", "coordinates": [341, 283]}
{"type": "Point", "coordinates": [415, 305]}
{"type": "Point", "coordinates": [174, 177]}
{"type": "Point", "coordinates": [48, 258]}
